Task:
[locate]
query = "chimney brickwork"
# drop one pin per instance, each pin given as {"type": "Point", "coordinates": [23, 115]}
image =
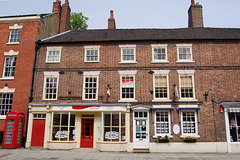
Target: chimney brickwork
{"type": "Point", "coordinates": [111, 21]}
{"type": "Point", "coordinates": [65, 17]}
{"type": "Point", "coordinates": [195, 16]}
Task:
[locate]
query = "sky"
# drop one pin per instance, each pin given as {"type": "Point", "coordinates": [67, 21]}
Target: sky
{"type": "Point", "coordinates": [135, 13]}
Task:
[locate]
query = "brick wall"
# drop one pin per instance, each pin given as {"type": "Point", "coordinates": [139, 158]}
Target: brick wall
{"type": "Point", "coordinates": [24, 63]}
{"type": "Point", "coordinates": [216, 72]}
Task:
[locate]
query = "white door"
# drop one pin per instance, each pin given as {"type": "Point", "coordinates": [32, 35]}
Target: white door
{"type": "Point", "coordinates": [140, 130]}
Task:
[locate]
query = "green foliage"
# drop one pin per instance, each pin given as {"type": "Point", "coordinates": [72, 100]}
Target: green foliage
{"type": "Point", "coordinates": [78, 21]}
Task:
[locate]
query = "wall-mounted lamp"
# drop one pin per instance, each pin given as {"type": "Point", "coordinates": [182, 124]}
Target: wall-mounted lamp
{"type": "Point", "coordinates": [151, 72]}
{"type": "Point", "coordinates": [212, 98]}
{"type": "Point", "coordinates": [6, 84]}
{"type": "Point", "coordinates": [80, 72]}
{"type": "Point", "coordinates": [61, 72]}
{"type": "Point", "coordinates": [151, 91]}
{"type": "Point", "coordinates": [69, 92]}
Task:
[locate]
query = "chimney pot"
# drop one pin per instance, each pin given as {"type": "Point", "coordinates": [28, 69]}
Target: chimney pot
{"type": "Point", "coordinates": [197, 3]}
{"type": "Point", "coordinates": [66, 2]}
{"type": "Point", "coordinates": [111, 21]}
{"type": "Point", "coordinates": [111, 14]}
{"type": "Point", "coordinates": [192, 2]}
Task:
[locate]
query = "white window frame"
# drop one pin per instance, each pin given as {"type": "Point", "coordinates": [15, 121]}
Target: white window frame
{"type": "Point", "coordinates": [50, 75]}
{"type": "Point", "coordinates": [186, 73]}
{"type": "Point", "coordinates": [169, 123]}
{"type": "Point", "coordinates": [184, 46]}
{"type": "Point", "coordinates": [91, 74]}
{"type": "Point", "coordinates": [128, 73]}
{"type": "Point", "coordinates": [51, 49]}
{"type": "Point", "coordinates": [160, 73]}
{"type": "Point", "coordinates": [87, 48]}
{"type": "Point", "coordinates": [159, 46]}
{"type": "Point", "coordinates": [120, 126]}
{"type": "Point", "coordinates": [128, 47]}
{"type": "Point", "coordinates": [11, 53]}
{"type": "Point", "coordinates": [6, 90]}
{"type": "Point", "coordinates": [183, 135]}
{"type": "Point", "coordinates": [14, 27]}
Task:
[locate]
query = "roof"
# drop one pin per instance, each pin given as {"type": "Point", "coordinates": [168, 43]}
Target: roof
{"type": "Point", "coordinates": [27, 15]}
{"type": "Point", "coordinates": [145, 35]}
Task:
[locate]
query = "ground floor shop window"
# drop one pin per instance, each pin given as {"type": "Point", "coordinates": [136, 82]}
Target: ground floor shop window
{"type": "Point", "coordinates": [162, 125]}
{"type": "Point", "coordinates": [234, 126]}
{"type": "Point", "coordinates": [114, 126]}
{"type": "Point", "coordinates": [189, 123]}
{"type": "Point", "coordinates": [63, 126]}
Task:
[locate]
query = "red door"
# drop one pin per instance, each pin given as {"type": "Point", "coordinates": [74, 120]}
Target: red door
{"type": "Point", "coordinates": [38, 130]}
{"type": "Point", "coordinates": [87, 133]}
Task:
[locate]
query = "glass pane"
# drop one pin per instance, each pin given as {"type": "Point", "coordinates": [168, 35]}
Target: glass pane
{"type": "Point", "coordinates": [107, 119]}
{"type": "Point", "coordinates": [115, 119]}
{"type": "Point", "coordinates": [56, 119]}
{"type": "Point", "coordinates": [64, 121]}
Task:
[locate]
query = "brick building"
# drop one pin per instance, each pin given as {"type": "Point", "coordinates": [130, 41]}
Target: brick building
{"type": "Point", "coordinates": [17, 47]}
{"type": "Point", "coordinates": [121, 89]}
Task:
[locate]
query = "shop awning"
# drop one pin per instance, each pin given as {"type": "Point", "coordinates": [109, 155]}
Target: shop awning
{"type": "Point", "coordinates": [162, 107]}
{"type": "Point", "coordinates": [188, 107]}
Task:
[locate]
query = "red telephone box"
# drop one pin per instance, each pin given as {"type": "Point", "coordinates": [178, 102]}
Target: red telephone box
{"type": "Point", "coordinates": [13, 131]}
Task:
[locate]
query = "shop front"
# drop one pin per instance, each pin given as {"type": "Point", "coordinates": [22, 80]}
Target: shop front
{"type": "Point", "coordinates": [232, 124]}
{"type": "Point", "coordinates": [67, 126]}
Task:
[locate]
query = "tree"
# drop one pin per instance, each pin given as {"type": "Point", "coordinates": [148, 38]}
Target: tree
{"type": "Point", "coordinates": [78, 21]}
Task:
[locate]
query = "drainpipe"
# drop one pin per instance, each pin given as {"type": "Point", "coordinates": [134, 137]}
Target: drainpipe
{"type": "Point", "coordinates": [37, 47]}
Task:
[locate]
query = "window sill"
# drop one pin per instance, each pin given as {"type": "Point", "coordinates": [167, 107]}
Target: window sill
{"type": "Point", "coordinates": [185, 61]}
{"type": "Point", "coordinates": [193, 135]}
{"type": "Point", "coordinates": [187, 100]}
{"type": "Point", "coordinates": [110, 142]}
{"type": "Point", "coordinates": [7, 78]}
{"type": "Point", "coordinates": [57, 141]}
{"type": "Point", "coordinates": [50, 99]}
{"type": "Point", "coordinates": [123, 100]}
{"type": "Point", "coordinates": [159, 61]}
{"type": "Point", "coordinates": [91, 61]}
{"type": "Point", "coordinates": [2, 117]}
{"type": "Point", "coordinates": [161, 100]}
{"type": "Point", "coordinates": [12, 43]}
{"type": "Point", "coordinates": [163, 135]}
{"type": "Point", "coordinates": [127, 62]}
{"type": "Point", "coordinates": [52, 62]}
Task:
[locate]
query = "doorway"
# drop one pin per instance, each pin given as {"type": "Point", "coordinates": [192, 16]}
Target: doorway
{"type": "Point", "coordinates": [87, 133]}
{"type": "Point", "coordinates": [140, 130]}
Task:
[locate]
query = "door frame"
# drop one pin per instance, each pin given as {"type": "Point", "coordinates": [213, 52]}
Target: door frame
{"type": "Point", "coordinates": [83, 119]}
{"type": "Point", "coordinates": [44, 128]}
{"type": "Point", "coordinates": [141, 109]}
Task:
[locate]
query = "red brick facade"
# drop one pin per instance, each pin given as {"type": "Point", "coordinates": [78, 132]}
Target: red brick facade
{"type": "Point", "coordinates": [216, 66]}
{"type": "Point", "coordinates": [32, 29]}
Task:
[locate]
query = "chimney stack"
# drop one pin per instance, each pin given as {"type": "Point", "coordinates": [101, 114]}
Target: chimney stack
{"type": "Point", "coordinates": [57, 8]}
{"type": "Point", "coordinates": [65, 17]}
{"type": "Point", "coordinates": [195, 16]}
{"type": "Point", "coordinates": [111, 21]}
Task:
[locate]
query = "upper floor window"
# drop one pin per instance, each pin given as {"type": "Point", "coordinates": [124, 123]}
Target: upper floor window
{"type": "Point", "coordinates": [90, 86]}
{"type": "Point", "coordinates": [14, 34]}
{"type": "Point", "coordinates": [92, 53]}
{"type": "Point", "coordinates": [159, 53]}
{"type": "Point", "coordinates": [184, 52]}
{"type": "Point", "coordinates": [128, 53]}
{"type": "Point", "coordinates": [53, 54]}
{"type": "Point", "coordinates": [187, 91]}
{"type": "Point", "coordinates": [9, 64]}
{"type": "Point", "coordinates": [50, 85]}
{"type": "Point", "coordinates": [160, 85]}
{"type": "Point", "coordinates": [127, 85]}
{"type": "Point", "coordinates": [6, 99]}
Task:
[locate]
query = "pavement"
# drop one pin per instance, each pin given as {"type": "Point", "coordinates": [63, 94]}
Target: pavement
{"type": "Point", "coordinates": [93, 154]}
